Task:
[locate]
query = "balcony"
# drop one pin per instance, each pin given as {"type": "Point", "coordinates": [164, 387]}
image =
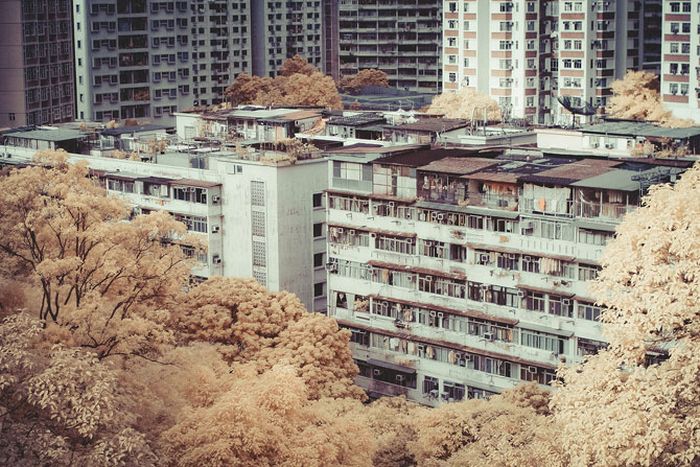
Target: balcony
{"type": "Point", "coordinates": [605, 212]}
{"type": "Point", "coordinates": [494, 201]}
{"type": "Point", "coordinates": [380, 387]}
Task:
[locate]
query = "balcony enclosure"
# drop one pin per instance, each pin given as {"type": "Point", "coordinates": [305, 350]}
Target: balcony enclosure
{"type": "Point", "coordinates": [605, 204]}
{"type": "Point", "coordinates": [457, 190]}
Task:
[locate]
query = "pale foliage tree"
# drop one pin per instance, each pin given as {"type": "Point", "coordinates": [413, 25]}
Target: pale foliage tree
{"type": "Point", "coordinates": [392, 422]}
{"type": "Point", "coordinates": [466, 103]}
{"type": "Point", "coordinates": [298, 89]}
{"type": "Point", "coordinates": [268, 420]}
{"type": "Point", "coordinates": [619, 408]}
{"type": "Point", "coordinates": [486, 433]}
{"type": "Point", "coordinates": [636, 97]}
{"type": "Point", "coordinates": [252, 325]}
{"type": "Point", "coordinates": [59, 405]}
{"type": "Point", "coordinates": [297, 65]}
{"type": "Point", "coordinates": [365, 77]}
{"type": "Point", "coordinates": [105, 279]}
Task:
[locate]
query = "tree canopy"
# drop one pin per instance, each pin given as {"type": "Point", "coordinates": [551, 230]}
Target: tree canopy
{"type": "Point", "coordinates": [466, 103]}
{"type": "Point", "coordinates": [646, 408]}
{"type": "Point", "coordinates": [636, 97]}
{"type": "Point", "coordinates": [298, 84]}
{"type": "Point", "coordinates": [365, 77]}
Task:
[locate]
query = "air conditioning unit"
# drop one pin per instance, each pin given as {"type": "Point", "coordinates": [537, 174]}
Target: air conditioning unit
{"type": "Point", "coordinates": [216, 199]}
{"type": "Point", "coordinates": [433, 313]}
{"type": "Point", "coordinates": [340, 230]}
{"type": "Point", "coordinates": [411, 240]}
{"type": "Point", "coordinates": [429, 278]}
{"type": "Point", "coordinates": [216, 259]}
{"type": "Point", "coordinates": [489, 336]}
{"type": "Point", "coordinates": [400, 378]}
{"type": "Point", "coordinates": [376, 372]}
{"type": "Point", "coordinates": [351, 232]}
{"type": "Point", "coordinates": [215, 229]}
{"type": "Point", "coordinates": [532, 370]}
{"type": "Point", "coordinates": [331, 266]}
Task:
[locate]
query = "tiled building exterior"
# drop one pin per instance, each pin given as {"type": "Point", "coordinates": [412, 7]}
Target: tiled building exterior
{"type": "Point", "coordinates": [680, 65]}
{"type": "Point", "coordinates": [529, 54]}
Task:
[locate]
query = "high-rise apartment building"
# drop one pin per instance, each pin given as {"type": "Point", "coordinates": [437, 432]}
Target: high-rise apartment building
{"type": "Point", "coordinates": [36, 62]}
{"type": "Point", "coordinates": [282, 29]}
{"type": "Point", "coordinates": [330, 38]}
{"type": "Point", "coordinates": [680, 65]}
{"type": "Point", "coordinates": [400, 37]}
{"type": "Point", "coordinates": [149, 59]}
{"type": "Point", "coordinates": [462, 276]}
{"type": "Point", "coordinates": [542, 59]}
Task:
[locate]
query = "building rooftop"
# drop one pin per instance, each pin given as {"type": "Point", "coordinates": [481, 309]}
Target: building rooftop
{"type": "Point", "coordinates": [572, 171]}
{"type": "Point", "coordinates": [423, 156]}
{"type": "Point", "coordinates": [60, 134]}
{"type": "Point", "coordinates": [458, 165]}
{"type": "Point", "coordinates": [615, 179]}
{"type": "Point", "coordinates": [362, 119]}
{"type": "Point", "coordinates": [132, 129]}
{"type": "Point", "coordinates": [646, 129]}
{"type": "Point", "coordinates": [433, 125]}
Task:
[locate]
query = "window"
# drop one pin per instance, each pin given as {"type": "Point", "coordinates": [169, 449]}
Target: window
{"type": "Point", "coordinates": [257, 193]}
{"type": "Point", "coordinates": [259, 256]}
{"type": "Point", "coordinates": [318, 230]}
{"type": "Point", "coordinates": [588, 312]}
{"type": "Point", "coordinates": [430, 385]}
{"type": "Point", "coordinates": [319, 289]}
{"type": "Point", "coordinates": [318, 259]}
{"type": "Point", "coordinates": [318, 200]}
{"type": "Point", "coordinates": [258, 223]}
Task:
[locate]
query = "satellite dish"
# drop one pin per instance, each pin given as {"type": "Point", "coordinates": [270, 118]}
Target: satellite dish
{"type": "Point", "coordinates": [586, 109]}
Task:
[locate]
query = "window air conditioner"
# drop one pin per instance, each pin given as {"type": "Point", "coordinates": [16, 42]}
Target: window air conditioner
{"type": "Point", "coordinates": [216, 259]}
{"type": "Point", "coordinates": [216, 199]}
{"type": "Point", "coordinates": [489, 336]}
{"type": "Point", "coordinates": [215, 229]}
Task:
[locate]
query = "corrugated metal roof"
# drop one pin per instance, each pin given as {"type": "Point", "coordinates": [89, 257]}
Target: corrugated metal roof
{"type": "Point", "coordinates": [632, 128]}
{"type": "Point", "coordinates": [458, 165]}
{"type": "Point", "coordinates": [615, 179]}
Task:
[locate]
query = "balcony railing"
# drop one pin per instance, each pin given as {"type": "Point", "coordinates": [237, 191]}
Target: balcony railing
{"type": "Point", "coordinates": [605, 211]}
{"type": "Point", "coordinates": [500, 201]}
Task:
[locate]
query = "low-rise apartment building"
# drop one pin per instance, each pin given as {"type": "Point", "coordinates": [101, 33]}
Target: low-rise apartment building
{"type": "Point", "coordinates": [250, 209]}
{"type": "Point", "coordinates": [460, 275]}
